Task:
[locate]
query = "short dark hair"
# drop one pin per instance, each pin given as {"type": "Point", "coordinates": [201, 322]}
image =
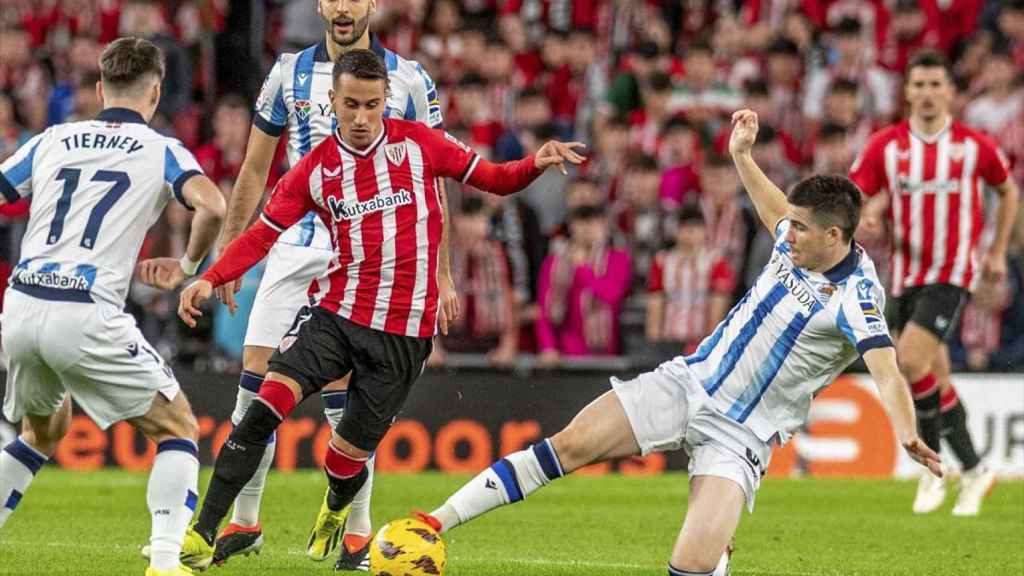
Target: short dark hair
{"type": "Point", "coordinates": [690, 214]}
{"type": "Point", "coordinates": [472, 205]}
{"type": "Point", "coordinates": [717, 160]}
{"type": "Point", "coordinates": [848, 26]}
{"type": "Point", "coordinates": [784, 46]}
{"type": "Point", "coordinates": [834, 200]}
{"type": "Point", "coordinates": [677, 122]}
{"type": "Point", "coordinates": [660, 82]}
{"type": "Point", "coordinates": [929, 59]}
{"type": "Point", "coordinates": [586, 212]}
{"type": "Point", "coordinates": [125, 61]}
{"type": "Point", "coordinates": [756, 87]}
{"type": "Point", "coordinates": [361, 64]}
{"type": "Point", "coordinates": [831, 130]}
{"type": "Point", "coordinates": [698, 46]}
{"type": "Point", "coordinates": [843, 86]}
{"type": "Point", "coordinates": [642, 163]}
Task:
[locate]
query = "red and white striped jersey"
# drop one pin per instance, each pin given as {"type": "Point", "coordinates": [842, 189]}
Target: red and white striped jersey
{"type": "Point", "coordinates": [935, 207]}
{"type": "Point", "coordinates": [687, 284]}
{"type": "Point", "coordinates": [383, 211]}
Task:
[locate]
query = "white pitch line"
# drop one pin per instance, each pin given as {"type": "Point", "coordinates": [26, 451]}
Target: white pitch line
{"type": "Point", "coordinates": [529, 562]}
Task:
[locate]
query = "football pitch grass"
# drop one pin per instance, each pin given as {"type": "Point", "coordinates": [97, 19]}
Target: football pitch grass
{"type": "Point", "coordinates": [94, 523]}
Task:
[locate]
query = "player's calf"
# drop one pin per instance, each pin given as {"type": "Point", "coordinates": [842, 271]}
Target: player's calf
{"type": "Point", "coordinates": [22, 459]}
{"type": "Point", "coordinates": [242, 452]}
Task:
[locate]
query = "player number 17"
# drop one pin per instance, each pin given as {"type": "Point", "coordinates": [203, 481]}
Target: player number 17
{"type": "Point", "coordinates": [70, 177]}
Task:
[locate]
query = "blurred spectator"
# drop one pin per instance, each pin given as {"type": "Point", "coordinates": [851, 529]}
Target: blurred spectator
{"type": "Point", "coordinates": [832, 151]}
{"type": "Point", "coordinates": [636, 69]}
{"type": "Point", "coordinates": [533, 111]}
{"type": "Point", "coordinates": [647, 121]}
{"type": "Point", "coordinates": [1001, 100]}
{"type": "Point", "coordinates": [678, 158]}
{"type": "Point", "coordinates": [87, 102]}
{"type": "Point", "coordinates": [12, 133]}
{"type": "Point", "coordinates": [469, 109]}
{"type": "Point", "coordinates": [488, 323]}
{"type": "Point", "coordinates": [583, 284]}
{"type": "Point", "coordinates": [146, 20]}
{"type": "Point", "coordinates": [910, 31]}
{"type": "Point", "coordinates": [850, 60]}
{"type": "Point", "coordinates": [514, 223]}
{"type": "Point", "coordinates": [610, 151]}
{"type": "Point", "coordinates": [497, 68]}
{"type": "Point", "coordinates": [729, 226]}
{"type": "Point", "coordinates": [784, 73]}
{"type": "Point", "coordinates": [701, 96]}
{"type": "Point", "coordinates": [1011, 25]}
{"type": "Point", "coordinates": [640, 220]}
{"type": "Point", "coordinates": [690, 287]}
{"type": "Point", "coordinates": [843, 108]}
{"type": "Point", "coordinates": [221, 157]}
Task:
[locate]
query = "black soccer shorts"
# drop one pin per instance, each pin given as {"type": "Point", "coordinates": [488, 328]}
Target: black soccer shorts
{"type": "Point", "coordinates": [934, 307]}
{"type": "Point", "coordinates": [322, 347]}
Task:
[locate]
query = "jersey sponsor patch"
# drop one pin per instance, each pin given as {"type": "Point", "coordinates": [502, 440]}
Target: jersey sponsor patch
{"type": "Point", "coordinates": [341, 210]}
{"type": "Point", "coordinates": [871, 312]}
{"type": "Point", "coordinates": [302, 108]}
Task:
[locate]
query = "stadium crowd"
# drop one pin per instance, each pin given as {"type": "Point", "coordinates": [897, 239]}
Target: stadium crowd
{"type": "Point", "coordinates": [647, 245]}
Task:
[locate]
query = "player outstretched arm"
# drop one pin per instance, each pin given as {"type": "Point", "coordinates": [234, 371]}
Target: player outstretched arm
{"type": "Point", "coordinates": [768, 199]}
{"type": "Point", "coordinates": [510, 177]}
{"type": "Point", "coordinates": [200, 193]}
{"type": "Point", "coordinates": [895, 395]}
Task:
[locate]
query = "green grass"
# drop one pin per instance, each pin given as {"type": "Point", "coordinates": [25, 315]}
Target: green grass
{"type": "Point", "coordinates": [94, 523]}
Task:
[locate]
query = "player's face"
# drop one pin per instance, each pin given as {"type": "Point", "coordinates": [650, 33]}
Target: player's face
{"type": "Point", "coordinates": [810, 243]}
{"type": "Point", "coordinates": [359, 106]}
{"type": "Point", "coordinates": [929, 92]}
{"type": "Point", "coordinates": [345, 21]}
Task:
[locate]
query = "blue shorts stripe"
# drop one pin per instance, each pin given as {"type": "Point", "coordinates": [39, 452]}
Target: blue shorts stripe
{"type": "Point", "coordinates": [503, 468]}
{"type": "Point", "coordinates": [334, 400]}
{"type": "Point", "coordinates": [179, 444]}
{"type": "Point", "coordinates": [191, 499]}
{"type": "Point", "coordinates": [25, 454]}
{"type": "Point", "coordinates": [12, 500]}
{"type": "Point", "coordinates": [545, 454]}
{"type": "Point", "coordinates": [53, 294]}
{"type": "Point", "coordinates": [250, 381]}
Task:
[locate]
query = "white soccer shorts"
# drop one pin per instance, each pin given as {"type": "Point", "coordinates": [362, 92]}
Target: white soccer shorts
{"type": "Point", "coordinates": [94, 351]}
{"type": "Point", "coordinates": [283, 291]}
{"type": "Point", "coordinates": [668, 412]}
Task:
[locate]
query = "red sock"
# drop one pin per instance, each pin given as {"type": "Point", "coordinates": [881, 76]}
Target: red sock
{"type": "Point", "coordinates": [949, 400]}
{"type": "Point", "coordinates": [278, 397]}
{"type": "Point", "coordinates": [341, 465]}
{"type": "Point", "coordinates": [925, 386]}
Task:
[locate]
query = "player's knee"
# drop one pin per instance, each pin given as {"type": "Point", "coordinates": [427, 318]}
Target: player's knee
{"type": "Point", "coordinates": [343, 446]}
{"type": "Point", "coordinates": [257, 425]}
{"type": "Point", "coordinates": [43, 439]}
{"type": "Point", "coordinates": [256, 358]}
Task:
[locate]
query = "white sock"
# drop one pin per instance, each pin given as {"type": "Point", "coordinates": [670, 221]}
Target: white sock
{"type": "Point", "coordinates": [247, 504]}
{"type": "Point", "coordinates": [246, 511]}
{"type": "Point", "coordinates": [172, 495]}
{"type": "Point", "coordinates": [507, 481]}
{"type": "Point", "coordinates": [358, 521]}
{"type": "Point", "coordinates": [19, 464]}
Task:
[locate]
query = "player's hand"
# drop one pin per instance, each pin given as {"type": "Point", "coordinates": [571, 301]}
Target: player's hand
{"type": "Point", "coordinates": [449, 299]}
{"type": "Point", "coordinates": [550, 359]}
{"type": "Point", "coordinates": [162, 273]}
{"type": "Point", "coordinates": [555, 153]}
{"type": "Point", "coordinates": [226, 294]}
{"type": "Point", "coordinates": [924, 455]}
{"type": "Point", "coordinates": [191, 299]}
{"type": "Point", "coordinates": [993, 266]}
{"type": "Point", "coordinates": [744, 132]}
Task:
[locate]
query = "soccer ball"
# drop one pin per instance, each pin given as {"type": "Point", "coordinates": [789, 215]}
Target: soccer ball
{"type": "Point", "coordinates": [407, 547]}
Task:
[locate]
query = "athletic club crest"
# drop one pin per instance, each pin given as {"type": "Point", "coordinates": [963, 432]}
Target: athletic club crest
{"type": "Point", "coordinates": [302, 108]}
{"type": "Point", "coordinates": [395, 153]}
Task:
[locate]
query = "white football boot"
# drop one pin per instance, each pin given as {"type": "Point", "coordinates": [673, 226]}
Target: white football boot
{"type": "Point", "coordinates": [974, 486]}
{"type": "Point", "coordinates": [931, 493]}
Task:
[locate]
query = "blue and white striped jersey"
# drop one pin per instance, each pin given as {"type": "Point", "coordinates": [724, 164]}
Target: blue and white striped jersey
{"type": "Point", "coordinates": [295, 95]}
{"type": "Point", "coordinates": [96, 187]}
{"type": "Point", "coordinates": [788, 338]}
